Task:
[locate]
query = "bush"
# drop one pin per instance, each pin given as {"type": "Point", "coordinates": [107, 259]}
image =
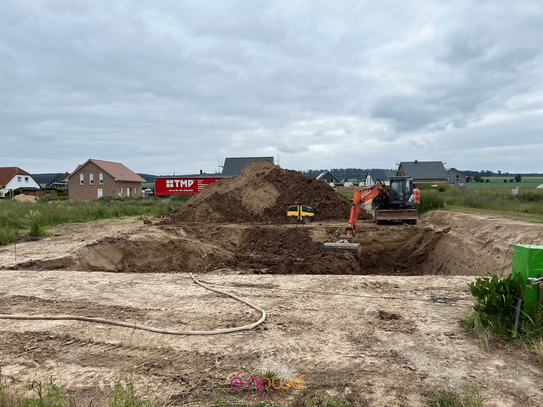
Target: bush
{"type": "Point", "coordinates": [36, 223]}
{"type": "Point", "coordinates": [494, 312]}
{"type": "Point", "coordinates": [430, 201]}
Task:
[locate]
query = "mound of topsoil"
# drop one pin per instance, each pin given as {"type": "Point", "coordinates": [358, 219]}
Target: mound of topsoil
{"type": "Point", "coordinates": [261, 193]}
{"type": "Point", "coordinates": [25, 198]}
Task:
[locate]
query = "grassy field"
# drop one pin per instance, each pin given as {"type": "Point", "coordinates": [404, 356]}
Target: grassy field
{"type": "Point", "coordinates": [497, 182]}
{"type": "Point", "coordinates": [36, 219]}
{"type": "Point", "coordinates": [527, 206]}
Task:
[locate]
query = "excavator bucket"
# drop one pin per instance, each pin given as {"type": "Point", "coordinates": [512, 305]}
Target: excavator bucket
{"type": "Point", "coordinates": [339, 247]}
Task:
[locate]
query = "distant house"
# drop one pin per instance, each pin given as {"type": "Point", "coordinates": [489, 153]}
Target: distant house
{"type": "Point", "coordinates": [233, 165]}
{"type": "Point", "coordinates": [329, 178]}
{"type": "Point", "coordinates": [15, 178]}
{"type": "Point", "coordinates": [374, 176]}
{"type": "Point", "coordinates": [424, 172]}
{"type": "Point", "coordinates": [96, 178]}
{"type": "Point", "coordinates": [391, 173]}
{"type": "Point", "coordinates": [457, 178]}
{"type": "Point", "coordinates": [59, 181]}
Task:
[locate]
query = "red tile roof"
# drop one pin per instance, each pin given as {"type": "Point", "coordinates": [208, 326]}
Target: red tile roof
{"type": "Point", "coordinates": [117, 170]}
{"type": "Point", "coordinates": [8, 173]}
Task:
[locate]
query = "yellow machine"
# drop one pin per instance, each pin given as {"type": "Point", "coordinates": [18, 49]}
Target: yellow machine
{"type": "Point", "coordinates": [300, 213]}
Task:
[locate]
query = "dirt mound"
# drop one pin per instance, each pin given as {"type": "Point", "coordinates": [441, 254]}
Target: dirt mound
{"type": "Point", "coordinates": [25, 198]}
{"type": "Point", "coordinates": [261, 193]}
{"type": "Point", "coordinates": [296, 242]}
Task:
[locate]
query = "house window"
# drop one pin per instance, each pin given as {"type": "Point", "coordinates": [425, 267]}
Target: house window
{"type": "Point", "coordinates": [19, 179]}
{"type": "Point", "coordinates": [122, 190]}
{"type": "Point", "coordinates": [135, 190]}
{"type": "Point", "coordinates": [26, 180]}
{"type": "Point", "coordinates": [458, 178]}
{"type": "Point", "coordinates": [91, 178]}
{"type": "Point", "coordinates": [101, 178]}
{"type": "Point", "coordinates": [81, 178]}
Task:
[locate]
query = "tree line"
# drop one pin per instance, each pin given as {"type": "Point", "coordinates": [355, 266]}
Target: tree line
{"type": "Point", "coordinates": [478, 178]}
{"type": "Point", "coordinates": [488, 173]}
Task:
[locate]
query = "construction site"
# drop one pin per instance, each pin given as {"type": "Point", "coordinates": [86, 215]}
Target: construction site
{"type": "Point", "coordinates": [378, 327]}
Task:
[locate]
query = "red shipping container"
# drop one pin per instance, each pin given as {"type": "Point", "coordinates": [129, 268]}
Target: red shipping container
{"type": "Point", "coordinates": [169, 186]}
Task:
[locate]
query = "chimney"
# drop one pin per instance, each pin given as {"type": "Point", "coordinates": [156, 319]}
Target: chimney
{"type": "Point", "coordinates": [201, 172]}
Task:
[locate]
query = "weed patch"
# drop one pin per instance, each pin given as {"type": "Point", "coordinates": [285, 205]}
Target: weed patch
{"type": "Point", "coordinates": [430, 201]}
{"type": "Point", "coordinates": [123, 395]}
{"type": "Point", "coordinates": [471, 398]}
{"type": "Point", "coordinates": [495, 310]}
{"type": "Point", "coordinates": [18, 218]}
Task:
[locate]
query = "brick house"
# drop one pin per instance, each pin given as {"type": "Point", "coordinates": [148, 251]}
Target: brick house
{"type": "Point", "coordinates": [96, 178]}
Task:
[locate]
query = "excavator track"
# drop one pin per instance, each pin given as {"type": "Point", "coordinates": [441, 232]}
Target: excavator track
{"type": "Point", "coordinates": [405, 215]}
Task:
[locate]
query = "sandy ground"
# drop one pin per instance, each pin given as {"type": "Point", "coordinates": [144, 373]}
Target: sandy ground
{"type": "Point", "coordinates": [394, 334]}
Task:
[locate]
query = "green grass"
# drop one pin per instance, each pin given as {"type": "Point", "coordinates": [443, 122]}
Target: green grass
{"type": "Point", "coordinates": [123, 395]}
{"type": "Point", "coordinates": [471, 398]}
{"type": "Point", "coordinates": [36, 219]}
{"type": "Point", "coordinates": [527, 205]}
{"type": "Point", "coordinates": [52, 395]}
{"type": "Point", "coordinates": [348, 194]}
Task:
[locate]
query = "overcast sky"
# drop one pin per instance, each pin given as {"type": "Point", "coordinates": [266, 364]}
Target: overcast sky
{"type": "Point", "coordinates": [165, 86]}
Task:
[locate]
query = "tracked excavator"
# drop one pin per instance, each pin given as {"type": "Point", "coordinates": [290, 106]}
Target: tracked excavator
{"type": "Point", "coordinates": [396, 202]}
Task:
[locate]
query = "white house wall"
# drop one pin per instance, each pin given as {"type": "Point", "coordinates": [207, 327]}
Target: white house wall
{"type": "Point", "coordinates": [14, 183]}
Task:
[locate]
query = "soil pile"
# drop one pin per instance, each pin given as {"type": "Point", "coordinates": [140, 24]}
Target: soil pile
{"type": "Point", "coordinates": [261, 193]}
{"type": "Point", "coordinates": [25, 198]}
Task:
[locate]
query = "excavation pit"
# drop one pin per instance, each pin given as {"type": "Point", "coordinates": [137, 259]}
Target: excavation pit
{"type": "Point", "coordinates": [402, 250]}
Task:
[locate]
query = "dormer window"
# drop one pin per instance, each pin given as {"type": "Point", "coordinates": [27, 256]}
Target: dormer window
{"type": "Point", "coordinates": [19, 179]}
{"type": "Point", "coordinates": [26, 180]}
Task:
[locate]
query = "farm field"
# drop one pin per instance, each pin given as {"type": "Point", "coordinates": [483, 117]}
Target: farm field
{"type": "Point", "coordinates": [498, 182]}
{"type": "Point", "coordinates": [378, 330]}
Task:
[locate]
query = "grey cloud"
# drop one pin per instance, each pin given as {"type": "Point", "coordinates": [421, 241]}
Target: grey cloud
{"type": "Point", "coordinates": [189, 81]}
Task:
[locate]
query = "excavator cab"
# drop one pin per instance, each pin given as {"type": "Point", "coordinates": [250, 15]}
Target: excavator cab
{"type": "Point", "coordinates": [401, 192]}
{"type": "Point", "coordinates": [397, 202]}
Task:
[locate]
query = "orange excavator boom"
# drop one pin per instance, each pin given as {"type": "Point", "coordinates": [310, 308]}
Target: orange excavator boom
{"type": "Point", "coordinates": [359, 197]}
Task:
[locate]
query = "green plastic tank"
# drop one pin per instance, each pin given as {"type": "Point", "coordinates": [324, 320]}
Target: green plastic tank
{"type": "Point", "coordinates": [528, 262]}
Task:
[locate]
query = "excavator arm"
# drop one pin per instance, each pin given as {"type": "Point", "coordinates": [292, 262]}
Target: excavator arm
{"type": "Point", "coordinates": [359, 197]}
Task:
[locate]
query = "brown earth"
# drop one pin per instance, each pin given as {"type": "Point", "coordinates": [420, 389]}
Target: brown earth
{"type": "Point", "coordinates": [261, 193]}
{"type": "Point", "coordinates": [385, 323]}
{"type": "Point", "coordinates": [443, 243]}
